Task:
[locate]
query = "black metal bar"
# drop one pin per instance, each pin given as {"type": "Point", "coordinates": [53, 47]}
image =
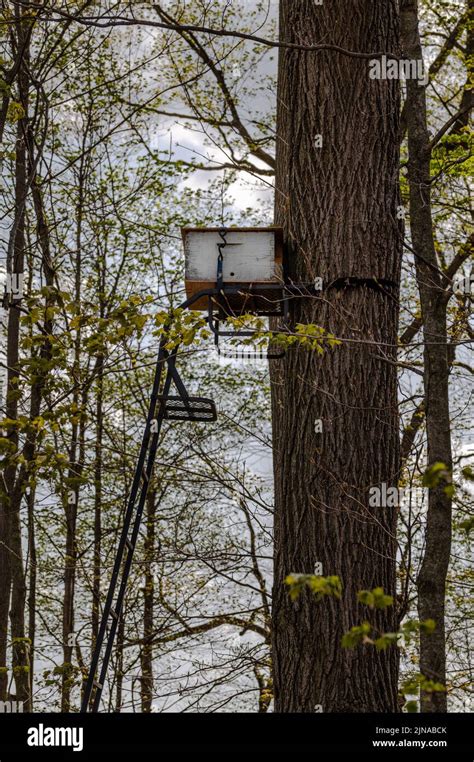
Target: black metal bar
{"type": "Point", "coordinates": [175, 376]}
{"type": "Point", "coordinates": [220, 258]}
{"type": "Point", "coordinates": [127, 565]}
{"type": "Point", "coordinates": [125, 541]}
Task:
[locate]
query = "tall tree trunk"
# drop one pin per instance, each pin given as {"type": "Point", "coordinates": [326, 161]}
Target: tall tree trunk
{"type": "Point", "coordinates": [17, 483]}
{"type": "Point", "coordinates": [76, 466]}
{"type": "Point", "coordinates": [16, 259]}
{"type": "Point", "coordinates": [338, 207]}
{"type": "Point", "coordinates": [431, 580]}
{"type": "Point", "coordinates": [15, 264]}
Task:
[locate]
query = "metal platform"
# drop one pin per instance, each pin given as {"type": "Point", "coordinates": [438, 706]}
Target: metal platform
{"type": "Point", "coordinates": [188, 409]}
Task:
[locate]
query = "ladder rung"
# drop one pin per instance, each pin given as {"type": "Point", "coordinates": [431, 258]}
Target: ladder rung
{"type": "Point", "coordinates": [98, 685]}
{"type": "Point", "coordinates": [145, 476]}
{"type": "Point", "coordinates": [129, 544]}
{"type": "Point", "coordinates": [114, 614]}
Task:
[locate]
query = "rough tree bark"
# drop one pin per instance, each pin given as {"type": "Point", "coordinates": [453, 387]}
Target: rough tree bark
{"type": "Point", "coordinates": [338, 207]}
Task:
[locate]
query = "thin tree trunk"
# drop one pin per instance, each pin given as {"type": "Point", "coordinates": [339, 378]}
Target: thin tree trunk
{"type": "Point", "coordinates": [32, 559]}
{"type": "Point", "coordinates": [20, 646]}
{"type": "Point", "coordinates": [97, 502]}
{"type": "Point", "coordinates": [76, 461]}
{"type": "Point", "coordinates": [338, 207]}
{"type": "Point", "coordinates": [119, 663]}
{"type": "Point", "coordinates": [431, 580]}
{"type": "Point", "coordinates": [71, 500]}
{"type": "Point", "coordinates": [146, 654]}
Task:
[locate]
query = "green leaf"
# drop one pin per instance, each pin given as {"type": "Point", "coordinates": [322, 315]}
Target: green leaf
{"type": "Point", "coordinates": [386, 640]}
{"type": "Point", "coordinates": [320, 586]}
{"type": "Point", "coordinates": [428, 626]}
{"type": "Point", "coordinates": [375, 599]}
{"type": "Point", "coordinates": [435, 474]}
{"type": "Point", "coordinates": [356, 635]}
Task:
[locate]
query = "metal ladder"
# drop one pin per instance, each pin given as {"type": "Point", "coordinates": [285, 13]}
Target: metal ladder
{"type": "Point", "coordinates": [162, 407]}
